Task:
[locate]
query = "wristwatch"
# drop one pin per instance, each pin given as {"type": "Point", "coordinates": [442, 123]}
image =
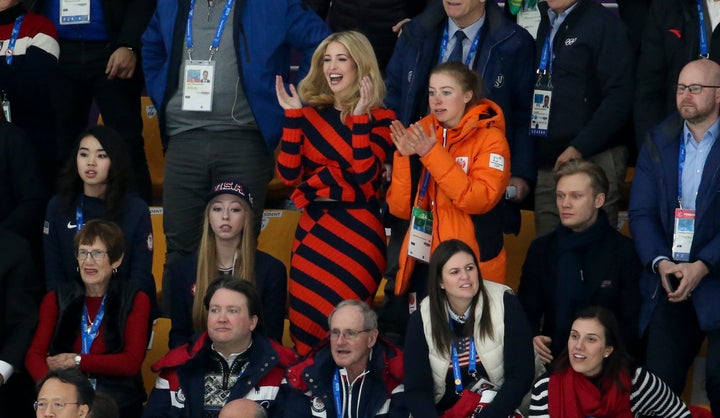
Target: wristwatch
{"type": "Point", "coordinates": [77, 360]}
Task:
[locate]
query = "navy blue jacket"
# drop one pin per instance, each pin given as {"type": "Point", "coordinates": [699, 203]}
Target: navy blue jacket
{"type": "Point", "coordinates": [652, 209]}
{"type": "Point", "coordinates": [61, 226]}
{"type": "Point", "coordinates": [592, 78]}
{"type": "Point", "coordinates": [610, 278]}
{"type": "Point", "coordinates": [263, 33]}
{"type": "Point", "coordinates": [180, 387]}
{"type": "Point", "coordinates": [309, 391]}
{"type": "Point", "coordinates": [504, 61]}
{"type": "Point", "coordinates": [271, 281]}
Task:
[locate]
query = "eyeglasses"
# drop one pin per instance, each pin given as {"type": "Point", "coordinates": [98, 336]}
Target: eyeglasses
{"type": "Point", "coordinates": [56, 405]}
{"type": "Point", "coordinates": [694, 88]}
{"type": "Point", "coordinates": [97, 255]}
{"type": "Point", "coordinates": [348, 334]}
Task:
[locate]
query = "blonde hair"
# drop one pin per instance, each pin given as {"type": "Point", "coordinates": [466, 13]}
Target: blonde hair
{"type": "Point", "coordinates": [314, 89]}
{"type": "Point", "coordinates": [207, 269]}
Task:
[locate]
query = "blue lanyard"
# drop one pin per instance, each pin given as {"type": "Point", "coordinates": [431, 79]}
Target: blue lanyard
{"type": "Point", "coordinates": [426, 178]}
{"type": "Point", "coordinates": [13, 38]}
{"type": "Point", "coordinates": [471, 53]}
{"type": "Point", "coordinates": [545, 58]}
{"type": "Point", "coordinates": [79, 215]}
{"type": "Point", "coordinates": [336, 394]}
{"type": "Point", "coordinates": [89, 333]}
{"type": "Point", "coordinates": [703, 36]}
{"type": "Point", "coordinates": [218, 32]}
{"type": "Point", "coordinates": [681, 165]}
{"type": "Point", "coordinates": [472, 363]}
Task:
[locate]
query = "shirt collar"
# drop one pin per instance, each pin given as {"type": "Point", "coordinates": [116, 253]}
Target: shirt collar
{"type": "Point", "coordinates": [559, 18]}
{"type": "Point", "coordinates": [708, 137]}
{"type": "Point", "coordinates": [471, 31]}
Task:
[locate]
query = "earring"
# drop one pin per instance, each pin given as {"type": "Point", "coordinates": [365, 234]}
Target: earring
{"type": "Point", "coordinates": [77, 268]}
{"type": "Point", "coordinates": [114, 271]}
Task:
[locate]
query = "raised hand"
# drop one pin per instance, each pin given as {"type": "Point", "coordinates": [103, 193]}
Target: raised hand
{"type": "Point", "coordinates": [365, 91]}
{"type": "Point", "coordinates": [287, 101]}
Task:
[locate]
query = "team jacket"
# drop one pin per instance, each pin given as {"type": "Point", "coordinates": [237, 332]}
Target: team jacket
{"type": "Point", "coordinates": [310, 392]}
{"type": "Point", "coordinates": [468, 179]}
{"type": "Point", "coordinates": [179, 389]}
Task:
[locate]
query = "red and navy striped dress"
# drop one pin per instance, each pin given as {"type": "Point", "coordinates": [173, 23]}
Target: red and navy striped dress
{"type": "Point", "coordinates": [339, 247]}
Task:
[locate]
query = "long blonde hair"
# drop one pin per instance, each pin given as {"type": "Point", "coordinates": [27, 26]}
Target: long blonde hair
{"type": "Point", "coordinates": [207, 269]}
{"type": "Point", "coordinates": [314, 89]}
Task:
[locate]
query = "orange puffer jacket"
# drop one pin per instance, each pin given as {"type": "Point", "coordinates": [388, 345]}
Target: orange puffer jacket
{"type": "Point", "coordinates": [468, 178]}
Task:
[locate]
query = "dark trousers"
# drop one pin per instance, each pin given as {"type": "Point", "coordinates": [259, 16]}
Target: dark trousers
{"type": "Point", "coordinates": [674, 339]}
{"type": "Point", "coordinates": [80, 79]}
{"type": "Point", "coordinates": [194, 161]}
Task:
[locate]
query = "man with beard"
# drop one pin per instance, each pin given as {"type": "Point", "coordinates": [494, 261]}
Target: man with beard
{"type": "Point", "coordinates": [674, 208]}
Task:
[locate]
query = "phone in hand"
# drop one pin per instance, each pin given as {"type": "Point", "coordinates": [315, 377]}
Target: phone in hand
{"type": "Point", "coordinates": [673, 282]}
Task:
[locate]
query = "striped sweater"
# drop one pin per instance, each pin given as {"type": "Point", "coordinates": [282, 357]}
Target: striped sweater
{"type": "Point", "coordinates": [333, 160]}
{"type": "Point", "coordinates": [650, 397]}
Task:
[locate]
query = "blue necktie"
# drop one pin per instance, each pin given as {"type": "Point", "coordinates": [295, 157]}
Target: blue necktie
{"type": "Point", "coordinates": [457, 52]}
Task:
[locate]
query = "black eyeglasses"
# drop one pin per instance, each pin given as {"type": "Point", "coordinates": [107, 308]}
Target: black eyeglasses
{"type": "Point", "coordinates": [694, 88]}
{"type": "Point", "coordinates": [56, 405]}
{"type": "Point", "coordinates": [97, 255]}
{"type": "Point", "coordinates": [348, 334]}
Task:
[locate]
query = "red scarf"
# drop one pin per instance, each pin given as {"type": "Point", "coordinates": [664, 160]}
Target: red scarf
{"type": "Point", "coordinates": [572, 395]}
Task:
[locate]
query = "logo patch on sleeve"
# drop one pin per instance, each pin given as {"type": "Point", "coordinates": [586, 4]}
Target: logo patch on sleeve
{"type": "Point", "coordinates": [497, 161]}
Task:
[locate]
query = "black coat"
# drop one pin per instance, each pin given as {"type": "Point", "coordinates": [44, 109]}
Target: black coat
{"type": "Point", "coordinates": [611, 270]}
{"type": "Point", "coordinates": [670, 40]}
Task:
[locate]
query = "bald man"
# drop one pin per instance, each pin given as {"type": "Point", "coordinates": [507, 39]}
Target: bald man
{"type": "Point", "coordinates": [242, 408]}
{"type": "Point", "coordinates": [675, 220]}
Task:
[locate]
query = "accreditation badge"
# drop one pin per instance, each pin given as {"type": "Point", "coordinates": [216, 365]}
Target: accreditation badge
{"type": "Point", "coordinates": [420, 240]}
{"type": "Point", "coordinates": [198, 81]}
{"type": "Point", "coordinates": [74, 12]}
{"type": "Point", "coordinates": [540, 116]}
{"type": "Point", "coordinates": [683, 234]}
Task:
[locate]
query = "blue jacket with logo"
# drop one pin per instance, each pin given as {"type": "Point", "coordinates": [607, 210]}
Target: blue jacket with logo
{"type": "Point", "coordinates": [593, 81]}
{"type": "Point", "coordinates": [309, 393]}
{"type": "Point", "coordinates": [652, 213]}
{"type": "Point", "coordinates": [263, 33]}
{"type": "Point", "coordinates": [180, 387]}
{"type": "Point", "coordinates": [504, 61]}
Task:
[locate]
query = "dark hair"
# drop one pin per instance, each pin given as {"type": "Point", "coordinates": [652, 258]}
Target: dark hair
{"type": "Point", "coordinates": [104, 406]}
{"type": "Point", "coordinates": [244, 287]}
{"type": "Point", "coordinates": [70, 185]}
{"type": "Point", "coordinates": [598, 178]}
{"type": "Point", "coordinates": [442, 334]}
{"type": "Point", "coordinates": [618, 362]}
{"type": "Point", "coordinates": [468, 79]}
{"type": "Point", "coordinates": [72, 376]}
{"type": "Point", "coordinates": [108, 232]}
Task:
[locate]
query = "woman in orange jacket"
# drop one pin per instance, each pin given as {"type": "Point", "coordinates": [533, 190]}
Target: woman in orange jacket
{"type": "Point", "coordinates": [465, 158]}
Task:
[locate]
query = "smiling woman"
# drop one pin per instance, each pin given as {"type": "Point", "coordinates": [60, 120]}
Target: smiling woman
{"type": "Point", "coordinates": [334, 151]}
{"type": "Point", "coordinates": [468, 337]}
{"type": "Point", "coordinates": [595, 376]}
{"type": "Point", "coordinates": [100, 326]}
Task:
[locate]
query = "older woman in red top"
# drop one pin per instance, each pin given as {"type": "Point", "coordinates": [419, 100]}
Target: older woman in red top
{"type": "Point", "coordinates": [99, 326]}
